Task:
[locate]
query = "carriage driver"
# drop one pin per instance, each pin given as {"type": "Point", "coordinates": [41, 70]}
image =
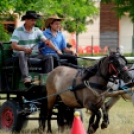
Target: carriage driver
{"type": "Point", "coordinates": [24, 38]}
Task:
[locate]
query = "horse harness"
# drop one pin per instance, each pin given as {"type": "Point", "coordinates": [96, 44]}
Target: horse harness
{"type": "Point", "coordinates": [82, 85]}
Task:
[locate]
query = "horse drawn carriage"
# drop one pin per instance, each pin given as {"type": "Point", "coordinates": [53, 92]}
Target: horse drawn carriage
{"type": "Point", "coordinates": [18, 101]}
{"type": "Point", "coordinates": [43, 93]}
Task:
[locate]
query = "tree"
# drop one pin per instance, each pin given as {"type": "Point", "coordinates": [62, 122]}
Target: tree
{"type": "Point", "coordinates": [76, 12]}
{"type": "Point", "coordinates": [3, 34]}
{"type": "Point", "coordinates": [80, 14]}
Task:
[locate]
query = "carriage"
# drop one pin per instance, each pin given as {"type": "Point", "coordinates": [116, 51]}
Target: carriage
{"type": "Point", "coordinates": [20, 101]}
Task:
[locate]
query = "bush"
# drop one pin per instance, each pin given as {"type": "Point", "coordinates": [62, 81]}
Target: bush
{"type": "Point", "coordinates": [4, 36]}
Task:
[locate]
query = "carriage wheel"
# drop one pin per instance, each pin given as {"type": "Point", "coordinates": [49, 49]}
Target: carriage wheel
{"type": "Point", "coordinates": [9, 117]}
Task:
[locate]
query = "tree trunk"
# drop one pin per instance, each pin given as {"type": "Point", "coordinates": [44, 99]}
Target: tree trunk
{"type": "Point", "coordinates": [77, 35]}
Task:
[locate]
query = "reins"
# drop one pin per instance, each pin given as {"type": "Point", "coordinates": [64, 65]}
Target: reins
{"type": "Point", "coordinates": [74, 87]}
{"type": "Point", "coordinates": [42, 98]}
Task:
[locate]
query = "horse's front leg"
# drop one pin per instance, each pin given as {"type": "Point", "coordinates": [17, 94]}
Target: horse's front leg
{"type": "Point", "coordinates": [105, 118]}
{"type": "Point", "coordinates": [105, 109]}
{"type": "Point", "coordinates": [94, 124]}
{"type": "Point", "coordinates": [91, 122]}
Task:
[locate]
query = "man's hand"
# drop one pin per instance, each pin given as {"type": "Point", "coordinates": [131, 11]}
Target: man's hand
{"type": "Point", "coordinates": [58, 52]}
{"type": "Point", "coordinates": [28, 50]}
{"type": "Point", "coordinates": [74, 53]}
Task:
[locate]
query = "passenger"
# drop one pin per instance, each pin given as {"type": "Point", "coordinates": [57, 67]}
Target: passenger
{"type": "Point", "coordinates": [55, 35]}
{"type": "Point", "coordinates": [25, 38]}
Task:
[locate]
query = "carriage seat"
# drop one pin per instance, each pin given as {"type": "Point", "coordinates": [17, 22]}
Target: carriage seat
{"type": "Point", "coordinates": [14, 60]}
{"type": "Point", "coordinates": [33, 62]}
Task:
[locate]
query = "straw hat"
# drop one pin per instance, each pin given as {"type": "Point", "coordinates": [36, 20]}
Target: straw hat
{"type": "Point", "coordinates": [50, 20]}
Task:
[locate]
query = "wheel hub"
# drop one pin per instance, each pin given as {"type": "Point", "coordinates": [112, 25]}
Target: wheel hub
{"type": "Point", "coordinates": [7, 118]}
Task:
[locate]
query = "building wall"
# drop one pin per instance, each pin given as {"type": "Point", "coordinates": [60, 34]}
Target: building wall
{"type": "Point", "coordinates": [126, 32]}
{"type": "Point", "coordinates": [109, 26]}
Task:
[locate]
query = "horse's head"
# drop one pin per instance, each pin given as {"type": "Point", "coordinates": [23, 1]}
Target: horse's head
{"type": "Point", "coordinates": [117, 65]}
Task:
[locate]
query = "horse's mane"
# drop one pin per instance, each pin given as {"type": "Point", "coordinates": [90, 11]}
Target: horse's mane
{"type": "Point", "coordinates": [91, 70]}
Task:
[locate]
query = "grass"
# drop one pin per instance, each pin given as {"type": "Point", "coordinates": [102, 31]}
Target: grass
{"type": "Point", "coordinates": [121, 121]}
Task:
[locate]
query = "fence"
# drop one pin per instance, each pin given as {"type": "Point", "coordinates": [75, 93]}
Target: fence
{"type": "Point", "coordinates": [99, 45]}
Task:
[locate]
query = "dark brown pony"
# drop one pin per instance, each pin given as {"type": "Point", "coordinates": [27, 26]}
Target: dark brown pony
{"type": "Point", "coordinates": [76, 92]}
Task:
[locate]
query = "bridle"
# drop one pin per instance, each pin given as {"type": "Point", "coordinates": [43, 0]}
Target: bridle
{"type": "Point", "coordinates": [120, 68]}
{"type": "Point", "coordinates": [116, 72]}
{"type": "Point", "coordinates": [112, 68]}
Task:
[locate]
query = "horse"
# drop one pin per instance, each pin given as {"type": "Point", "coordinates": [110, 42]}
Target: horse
{"type": "Point", "coordinates": [118, 90]}
{"type": "Point", "coordinates": [76, 92]}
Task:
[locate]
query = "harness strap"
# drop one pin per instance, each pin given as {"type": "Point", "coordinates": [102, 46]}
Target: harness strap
{"type": "Point", "coordinates": [79, 86]}
{"type": "Point", "coordinates": [97, 86]}
{"type": "Point", "coordinates": [74, 87]}
{"type": "Point", "coordinates": [74, 80]}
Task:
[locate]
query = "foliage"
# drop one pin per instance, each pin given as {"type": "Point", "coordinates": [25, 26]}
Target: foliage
{"type": "Point", "coordinates": [75, 12]}
{"type": "Point", "coordinates": [4, 36]}
{"type": "Point", "coordinates": [85, 63]}
{"type": "Point", "coordinates": [123, 6]}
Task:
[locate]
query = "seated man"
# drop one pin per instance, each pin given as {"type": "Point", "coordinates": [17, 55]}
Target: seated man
{"type": "Point", "coordinates": [52, 32]}
{"type": "Point", "coordinates": [25, 38]}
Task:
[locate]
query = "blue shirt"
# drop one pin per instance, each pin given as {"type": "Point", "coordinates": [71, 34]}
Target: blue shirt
{"type": "Point", "coordinates": [59, 41]}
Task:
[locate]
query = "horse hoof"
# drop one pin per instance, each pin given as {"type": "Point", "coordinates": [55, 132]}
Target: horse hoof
{"type": "Point", "coordinates": [104, 125]}
{"type": "Point", "coordinates": [49, 132]}
{"type": "Point", "coordinates": [91, 131]}
{"type": "Point", "coordinates": [37, 131]}
{"type": "Point", "coordinates": [60, 130]}
{"type": "Point", "coordinates": [88, 112]}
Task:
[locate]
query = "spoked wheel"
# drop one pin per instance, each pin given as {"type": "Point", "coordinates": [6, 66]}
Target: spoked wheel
{"type": "Point", "coordinates": [9, 116]}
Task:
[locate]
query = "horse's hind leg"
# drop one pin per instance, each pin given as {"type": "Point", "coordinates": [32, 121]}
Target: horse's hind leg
{"type": "Point", "coordinates": [42, 116]}
{"type": "Point", "coordinates": [49, 130]}
{"type": "Point", "coordinates": [50, 103]}
{"type": "Point", "coordinates": [60, 117]}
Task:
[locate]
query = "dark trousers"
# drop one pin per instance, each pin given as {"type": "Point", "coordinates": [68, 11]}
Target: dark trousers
{"type": "Point", "coordinates": [70, 58]}
{"type": "Point", "coordinates": [49, 62]}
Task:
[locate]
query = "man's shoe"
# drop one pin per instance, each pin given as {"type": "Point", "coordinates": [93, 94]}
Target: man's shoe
{"type": "Point", "coordinates": [27, 82]}
{"type": "Point", "coordinates": [37, 82]}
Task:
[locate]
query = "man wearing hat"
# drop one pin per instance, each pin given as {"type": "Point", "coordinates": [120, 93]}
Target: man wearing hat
{"type": "Point", "coordinates": [25, 38]}
{"type": "Point", "coordinates": [55, 35]}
